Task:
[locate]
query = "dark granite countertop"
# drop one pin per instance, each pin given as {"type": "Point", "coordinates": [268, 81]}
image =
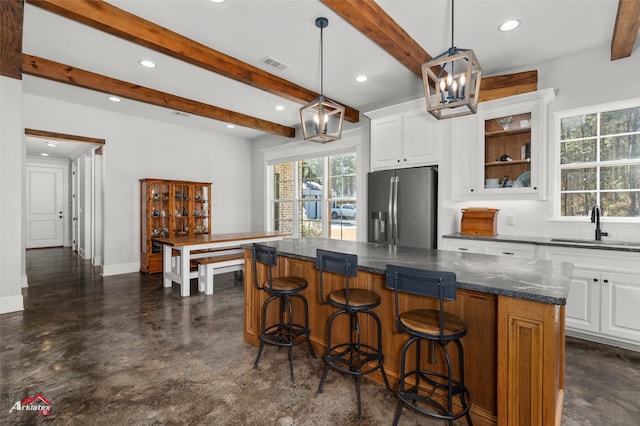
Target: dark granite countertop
{"type": "Point", "coordinates": [538, 280]}
{"type": "Point", "coordinates": [605, 244]}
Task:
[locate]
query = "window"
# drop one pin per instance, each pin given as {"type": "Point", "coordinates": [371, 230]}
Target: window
{"type": "Point", "coordinates": [600, 162]}
{"type": "Point", "coordinates": [325, 197]}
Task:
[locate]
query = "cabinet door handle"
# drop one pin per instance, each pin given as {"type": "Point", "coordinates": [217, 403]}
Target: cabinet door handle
{"type": "Point", "coordinates": [605, 281]}
{"type": "Point", "coordinates": [463, 248]}
{"type": "Point", "coordinates": [595, 280]}
{"type": "Point", "coordinates": [508, 252]}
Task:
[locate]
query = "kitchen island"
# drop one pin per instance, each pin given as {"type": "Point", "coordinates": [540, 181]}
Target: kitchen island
{"type": "Point", "coordinates": [514, 348]}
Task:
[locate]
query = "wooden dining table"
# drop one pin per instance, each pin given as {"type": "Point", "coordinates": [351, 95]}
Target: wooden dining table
{"type": "Point", "coordinates": [176, 267]}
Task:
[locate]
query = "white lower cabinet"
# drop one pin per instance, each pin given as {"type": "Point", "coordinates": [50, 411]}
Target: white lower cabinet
{"type": "Point", "coordinates": [497, 248]}
{"type": "Point", "coordinates": [604, 297]}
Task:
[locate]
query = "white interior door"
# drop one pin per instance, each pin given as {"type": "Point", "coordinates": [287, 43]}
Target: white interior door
{"type": "Point", "coordinates": [45, 201]}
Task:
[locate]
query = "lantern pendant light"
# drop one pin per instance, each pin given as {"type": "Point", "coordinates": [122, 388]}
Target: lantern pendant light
{"type": "Point", "coordinates": [456, 76]}
{"type": "Point", "coordinates": [322, 118]}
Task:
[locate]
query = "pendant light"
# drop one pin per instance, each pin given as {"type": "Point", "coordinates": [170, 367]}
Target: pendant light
{"type": "Point", "coordinates": [322, 118]}
{"type": "Point", "coordinates": [456, 76]}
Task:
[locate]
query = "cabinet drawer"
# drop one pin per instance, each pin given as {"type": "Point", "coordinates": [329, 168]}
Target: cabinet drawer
{"type": "Point", "coordinates": [525, 251]}
{"type": "Point", "coordinates": [466, 246]}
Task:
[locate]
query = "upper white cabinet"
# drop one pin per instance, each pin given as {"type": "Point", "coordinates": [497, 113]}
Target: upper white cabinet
{"type": "Point", "coordinates": [500, 152]}
{"type": "Point", "coordinates": [403, 135]}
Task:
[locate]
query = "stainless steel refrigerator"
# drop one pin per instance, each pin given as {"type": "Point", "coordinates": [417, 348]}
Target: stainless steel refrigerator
{"type": "Point", "coordinates": [402, 207]}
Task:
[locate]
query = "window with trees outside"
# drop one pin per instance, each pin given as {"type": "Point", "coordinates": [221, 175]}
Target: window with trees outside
{"type": "Point", "coordinates": [316, 197]}
{"type": "Point", "coordinates": [600, 162]}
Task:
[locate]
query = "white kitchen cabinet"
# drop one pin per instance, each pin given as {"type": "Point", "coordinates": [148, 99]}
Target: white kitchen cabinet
{"type": "Point", "coordinates": [604, 295]}
{"type": "Point", "coordinates": [479, 141]}
{"type": "Point", "coordinates": [496, 248]}
{"type": "Point", "coordinates": [467, 246]}
{"type": "Point", "coordinates": [402, 136]}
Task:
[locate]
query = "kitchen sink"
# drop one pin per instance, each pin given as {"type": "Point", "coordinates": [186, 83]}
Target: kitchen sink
{"type": "Point", "coordinates": [597, 243]}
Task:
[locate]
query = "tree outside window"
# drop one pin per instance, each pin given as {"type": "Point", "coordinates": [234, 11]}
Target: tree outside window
{"type": "Point", "coordinates": [600, 163]}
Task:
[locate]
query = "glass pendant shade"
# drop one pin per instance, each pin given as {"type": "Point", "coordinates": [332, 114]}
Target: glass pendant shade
{"type": "Point", "coordinates": [456, 81]}
{"type": "Point", "coordinates": [322, 120]}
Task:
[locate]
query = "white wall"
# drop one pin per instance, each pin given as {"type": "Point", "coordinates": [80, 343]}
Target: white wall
{"type": "Point", "coordinates": [582, 79]}
{"type": "Point", "coordinates": [139, 148]}
{"type": "Point", "coordinates": [12, 157]}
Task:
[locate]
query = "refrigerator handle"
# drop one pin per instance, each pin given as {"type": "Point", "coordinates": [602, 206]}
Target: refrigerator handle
{"type": "Point", "coordinates": [395, 210]}
{"type": "Point", "coordinates": [391, 215]}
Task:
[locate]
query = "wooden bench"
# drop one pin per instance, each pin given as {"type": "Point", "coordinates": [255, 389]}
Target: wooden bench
{"type": "Point", "coordinates": [218, 264]}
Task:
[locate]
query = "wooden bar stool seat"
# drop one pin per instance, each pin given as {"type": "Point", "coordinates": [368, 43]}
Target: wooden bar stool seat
{"type": "Point", "coordinates": [285, 332]}
{"type": "Point", "coordinates": [429, 390]}
{"type": "Point", "coordinates": [352, 357]}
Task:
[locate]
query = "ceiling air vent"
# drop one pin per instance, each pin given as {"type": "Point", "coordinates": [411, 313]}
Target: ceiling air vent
{"type": "Point", "coordinates": [181, 114]}
{"type": "Point", "coordinates": [274, 63]}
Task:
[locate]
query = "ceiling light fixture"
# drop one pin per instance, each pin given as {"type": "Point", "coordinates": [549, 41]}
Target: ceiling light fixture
{"type": "Point", "coordinates": [52, 144]}
{"type": "Point", "coordinates": [361, 78]}
{"type": "Point", "coordinates": [322, 118]}
{"type": "Point", "coordinates": [456, 81]}
{"type": "Point", "coordinates": [230, 126]}
{"type": "Point", "coordinates": [114, 98]}
{"type": "Point", "coordinates": [279, 108]}
{"type": "Point", "coordinates": [217, 1]}
{"type": "Point", "coordinates": [509, 25]}
{"type": "Point", "coordinates": [147, 63]}
{"type": "Point", "coordinates": [44, 154]}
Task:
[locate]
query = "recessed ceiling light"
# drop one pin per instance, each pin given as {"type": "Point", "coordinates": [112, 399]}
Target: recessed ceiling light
{"type": "Point", "coordinates": [361, 78]}
{"type": "Point", "coordinates": [44, 154]}
{"type": "Point", "coordinates": [510, 25]}
{"type": "Point", "coordinates": [230, 126]}
{"type": "Point", "coordinates": [147, 63]}
{"type": "Point", "coordinates": [114, 98]}
{"type": "Point", "coordinates": [279, 108]}
{"type": "Point", "coordinates": [217, 1]}
{"type": "Point", "coordinates": [52, 144]}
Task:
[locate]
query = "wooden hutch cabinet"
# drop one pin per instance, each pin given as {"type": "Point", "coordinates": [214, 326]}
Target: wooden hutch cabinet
{"type": "Point", "coordinates": [170, 208]}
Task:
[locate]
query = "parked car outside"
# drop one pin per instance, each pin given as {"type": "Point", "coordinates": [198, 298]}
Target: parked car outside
{"type": "Point", "coordinates": [344, 211]}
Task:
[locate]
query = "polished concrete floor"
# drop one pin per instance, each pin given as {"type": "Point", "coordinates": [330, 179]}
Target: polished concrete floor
{"type": "Point", "coordinates": [122, 350]}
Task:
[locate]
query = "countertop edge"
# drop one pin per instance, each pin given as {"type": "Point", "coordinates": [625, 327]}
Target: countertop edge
{"type": "Point", "coordinates": [543, 241]}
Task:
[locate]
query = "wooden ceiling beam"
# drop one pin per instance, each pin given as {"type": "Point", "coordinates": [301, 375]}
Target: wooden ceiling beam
{"type": "Point", "coordinates": [626, 29]}
{"type": "Point", "coordinates": [371, 20]}
{"type": "Point", "coordinates": [11, 22]}
{"type": "Point", "coordinates": [110, 19]}
{"type": "Point", "coordinates": [62, 73]}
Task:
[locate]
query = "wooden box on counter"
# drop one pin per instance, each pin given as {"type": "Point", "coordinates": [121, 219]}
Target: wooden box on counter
{"type": "Point", "coordinates": [479, 221]}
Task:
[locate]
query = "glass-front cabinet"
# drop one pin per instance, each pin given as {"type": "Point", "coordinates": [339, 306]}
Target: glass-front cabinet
{"type": "Point", "coordinates": [507, 151]}
{"type": "Point", "coordinates": [170, 208]}
{"type": "Point", "coordinates": [500, 152]}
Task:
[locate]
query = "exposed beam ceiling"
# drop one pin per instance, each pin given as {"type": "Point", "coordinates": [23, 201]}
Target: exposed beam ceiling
{"type": "Point", "coordinates": [51, 70]}
{"type": "Point", "coordinates": [115, 21]}
{"type": "Point", "coordinates": [371, 20]}
{"type": "Point", "coordinates": [626, 29]}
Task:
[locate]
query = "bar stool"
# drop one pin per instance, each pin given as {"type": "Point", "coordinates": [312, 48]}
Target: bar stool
{"type": "Point", "coordinates": [438, 327]}
{"type": "Point", "coordinates": [284, 333]}
{"type": "Point", "coordinates": [353, 357]}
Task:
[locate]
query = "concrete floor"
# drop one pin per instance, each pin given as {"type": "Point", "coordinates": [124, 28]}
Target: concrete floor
{"type": "Point", "coordinates": [122, 350]}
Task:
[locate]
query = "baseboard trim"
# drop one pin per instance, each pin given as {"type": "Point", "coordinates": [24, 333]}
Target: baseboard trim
{"type": "Point", "coordinates": [121, 268]}
{"type": "Point", "coordinates": [11, 304]}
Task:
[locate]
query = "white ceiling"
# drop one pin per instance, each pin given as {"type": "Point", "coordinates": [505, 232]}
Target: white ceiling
{"type": "Point", "coordinates": [249, 30]}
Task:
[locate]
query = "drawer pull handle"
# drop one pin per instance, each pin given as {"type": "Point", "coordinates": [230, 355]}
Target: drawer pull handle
{"type": "Point", "coordinates": [595, 280]}
{"type": "Point", "coordinates": [508, 252]}
{"type": "Point", "coordinates": [463, 248]}
{"type": "Point", "coordinates": [606, 281]}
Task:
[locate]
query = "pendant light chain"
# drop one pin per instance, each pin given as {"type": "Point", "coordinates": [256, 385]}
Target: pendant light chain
{"type": "Point", "coordinates": [321, 62]}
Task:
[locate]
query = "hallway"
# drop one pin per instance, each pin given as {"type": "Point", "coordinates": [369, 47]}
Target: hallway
{"type": "Point", "coordinates": [124, 350]}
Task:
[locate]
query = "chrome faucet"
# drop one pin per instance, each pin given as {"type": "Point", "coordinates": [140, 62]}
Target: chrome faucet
{"type": "Point", "coordinates": [595, 218]}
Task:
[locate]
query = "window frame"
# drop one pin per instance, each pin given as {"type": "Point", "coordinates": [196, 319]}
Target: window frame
{"type": "Point", "coordinates": [557, 138]}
